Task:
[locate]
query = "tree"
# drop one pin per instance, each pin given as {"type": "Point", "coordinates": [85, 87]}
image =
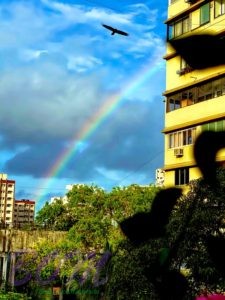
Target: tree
{"type": "Point", "coordinates": [55, 216]}
{"type": "Point", "coordinates": [200, 216]}
{"type": "Point", "coordinates": [93, 236]}
{"type": "Point", "coordinates": [98, 213]}
{"type": "Point", "coordinates": [98, 217]}
{"type": "Point", "coordinates": [189, 254]}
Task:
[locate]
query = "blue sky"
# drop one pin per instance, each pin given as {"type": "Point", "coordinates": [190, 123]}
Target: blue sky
{"type": "Point", "coordinates": [58, 67]}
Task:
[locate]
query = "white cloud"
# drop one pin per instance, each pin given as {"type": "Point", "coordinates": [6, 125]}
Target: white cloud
{"type": "Point", "coordinates": [109, 174]}
{"type": "Point", "coordinates": [46, 103]}
{"type": "Point", "coordinates": [82, 63]}
{"type": "Point", "coordinates": [81, 14]}
{"type": "Point", "coordinates": [31, 54]}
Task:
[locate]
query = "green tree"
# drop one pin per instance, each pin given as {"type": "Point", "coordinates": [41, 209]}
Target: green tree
{"type": "Point", "coordinates": [199, 217]}
{"type": "Point", "coordinates": [98, 217]}
{"type": "Point", "coordinates": [193, 244]}
{"type": "Point", "coordinates": [55, 216]}
{"type": "Point", "coordinates": [93, 216]}
{"type": "Point", "coordinates": [98, 213]}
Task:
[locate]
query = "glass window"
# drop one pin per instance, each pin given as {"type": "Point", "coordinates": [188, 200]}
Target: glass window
{"type": "Point", "coordinates": [219, 8]}
{"type": "Point", "coordinates": [220, 125]}
{"type": "Point", "coordinates": [223, 86]}
{"type": "Point", "coordinates": [204, 14]}
{"type": "Point", "coordinates": [176, 104]}
{"type": "Point", "coordinates": [170, 32]}
{"type": "Point", "coordinates": [171, 141]}
{"type": "Point", "coordinates": [201, 92]}
{"type": "Point", "coordinates": [181, 176]}
{"type": "Point", "coordinates": [217, 88]}
{"type": "Point", "coordinates": [189, 136]}
{"type": "Point", "coordinates": [182, 138]}
{"type": "Point", "coordinates": [205, 91]}
{"type": "Point", "coordinates": [178, 28]}
{"type": "Point", "coordinates": [214, 126]}
{"type": "Point", "coordinates": [173, 104]}
{"type": "Point", "coordinates": [185, 25]}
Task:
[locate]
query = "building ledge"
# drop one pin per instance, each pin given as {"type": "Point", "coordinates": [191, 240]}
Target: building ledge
{"type": "Point", "coordinates": [193, 122]}
{"type": "Point", "coordinates": [193, 83]}
{"type": "Point", "coordinates": [187, 10]}
{"type": "Point", "coordinates": [190, 164]}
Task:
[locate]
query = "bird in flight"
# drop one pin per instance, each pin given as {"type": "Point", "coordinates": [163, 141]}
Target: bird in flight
{"type": "Point", "coordinates": [114, 30]}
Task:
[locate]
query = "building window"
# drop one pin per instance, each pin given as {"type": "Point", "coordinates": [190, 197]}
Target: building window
{"type": "Point", "coordinates": [182, 138]}
{"type": "Point", "coordinates": [173, 104]}
{"type": "Point", "coordinates": [204, 14]}
{"type": "Point", "coordinates": [214, 126]}
{"type": "Point", "coordinates": [184, 67]}
{"type": "Point", "coordinates": [219, 8]}
{"type": "Point", "coordinates": [178, 28]}
{"type": "Point", "coordinates": [181, 176]}
{"type": "Point", "coordinates": [204, 92]}
{"type": "Point", "coordinates": [201, 92]}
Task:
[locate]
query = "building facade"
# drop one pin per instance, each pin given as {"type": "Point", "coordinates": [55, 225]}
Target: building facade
{"type": "Point", "coordinates": [7, 196]}
{"type": "Point", "coordinates": [24, 212]}
{"type": "Point", "coordinates": [159, 177]}
{"type": "Point", "coordinates": [194, 99]}
{"type": "Point", "coordinates": [14, 212]}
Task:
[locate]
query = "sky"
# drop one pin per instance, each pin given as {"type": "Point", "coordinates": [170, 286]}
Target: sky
{"type": "Point", "coordinates": [77, 104]}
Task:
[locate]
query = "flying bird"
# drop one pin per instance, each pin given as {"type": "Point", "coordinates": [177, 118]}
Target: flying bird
{"type": "Point", "coordinates": [114, 30]}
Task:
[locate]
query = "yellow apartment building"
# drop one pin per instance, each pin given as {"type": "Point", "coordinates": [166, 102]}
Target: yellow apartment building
{"type": "Point", "coordinates": [194, 99]}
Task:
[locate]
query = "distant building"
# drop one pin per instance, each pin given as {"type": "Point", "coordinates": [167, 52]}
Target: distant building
{"type": "Point", "coordinates": [160, 177]}
{"type": "Point", "coordinates": [7, 196]}
{"type": "Point", "coordinates": [14, 212]}
{"type": "Point", "coordinates": [64, 198]}
{"type": "Point", "coordinates": [24, 211]}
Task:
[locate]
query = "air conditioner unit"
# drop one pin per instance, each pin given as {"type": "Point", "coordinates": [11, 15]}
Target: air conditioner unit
{"type": "Point", "coordinates": [178, 152]}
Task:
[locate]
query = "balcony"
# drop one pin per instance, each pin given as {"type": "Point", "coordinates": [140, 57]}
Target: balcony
{"type": "Point", "coordinates": [198, 113]}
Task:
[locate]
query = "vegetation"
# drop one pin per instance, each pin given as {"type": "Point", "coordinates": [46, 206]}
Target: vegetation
{"type": "Point", "coordinates": [192, 245]}
{"type": "Point", "coordinates": [91, 217]}
{"type": "Point", "coordinates": [13, 296]}
{"type": "Point", "coordinates": [201, 250]}
{"type": "Point", "coordinates": [173, 242]}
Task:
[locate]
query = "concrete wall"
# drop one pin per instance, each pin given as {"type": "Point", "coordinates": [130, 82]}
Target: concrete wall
{"type": "Point", "coordinates": [14, 240]}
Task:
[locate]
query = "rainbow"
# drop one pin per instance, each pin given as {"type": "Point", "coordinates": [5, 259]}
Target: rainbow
{"type": "Point", "coordinates": [96, 120]}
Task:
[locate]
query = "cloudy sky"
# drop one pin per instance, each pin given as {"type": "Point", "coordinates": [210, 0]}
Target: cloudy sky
{"type": "Point", "coordinates": [77, 104]}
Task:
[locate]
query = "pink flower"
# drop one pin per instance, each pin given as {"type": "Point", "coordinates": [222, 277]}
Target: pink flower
{"type": "Point", "coordinates": [211, 297]}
